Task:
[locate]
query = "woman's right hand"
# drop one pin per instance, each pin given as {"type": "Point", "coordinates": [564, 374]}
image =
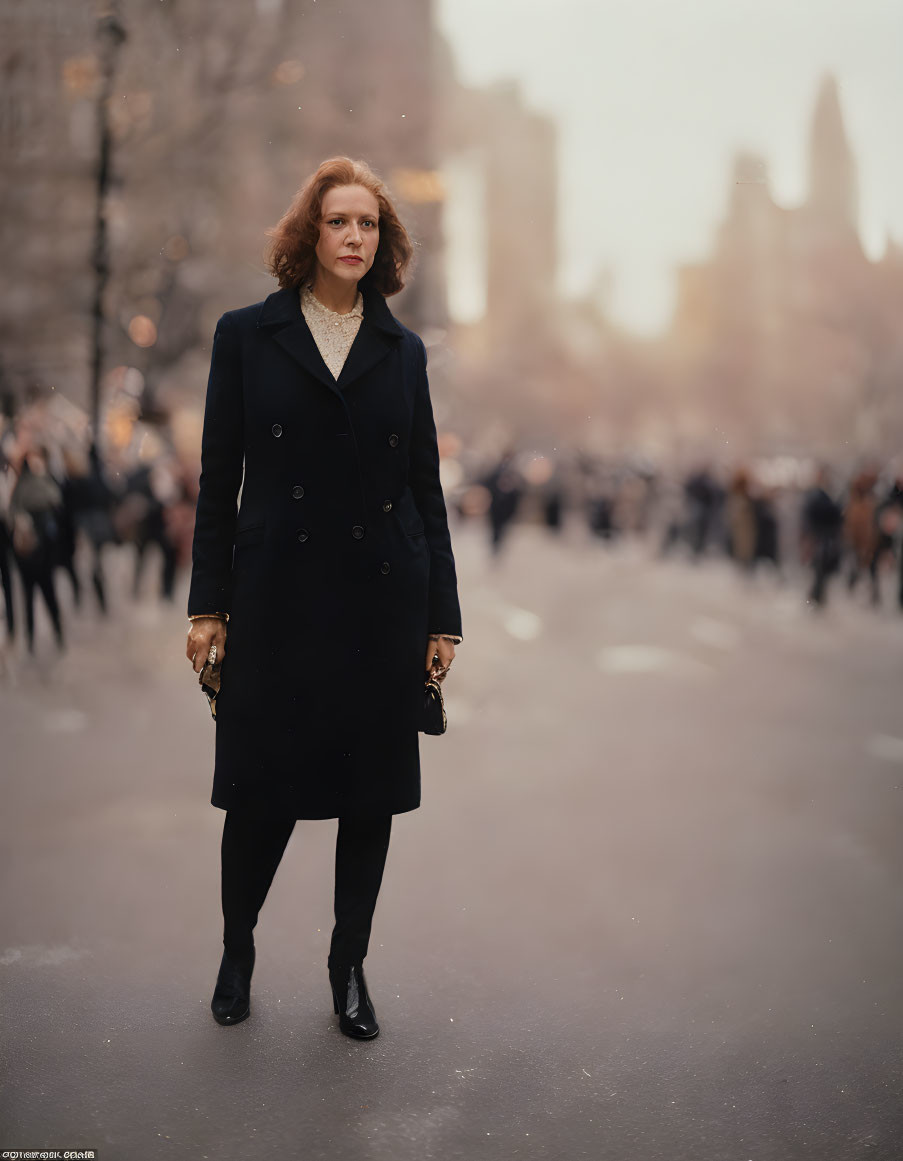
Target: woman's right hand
{"type": "Point", "coordinates": [204, 632]}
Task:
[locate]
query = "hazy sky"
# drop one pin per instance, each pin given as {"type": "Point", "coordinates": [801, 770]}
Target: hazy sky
{"type": "Point", "coordinates": [651, 99]}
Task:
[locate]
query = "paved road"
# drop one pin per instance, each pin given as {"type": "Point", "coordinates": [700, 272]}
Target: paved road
{"type": "Point", "coordinates": [650, 909]}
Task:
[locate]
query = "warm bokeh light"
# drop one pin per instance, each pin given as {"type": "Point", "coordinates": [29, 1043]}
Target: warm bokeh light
{"type": "Point", "coordinates": [176, 248]}
{"type": "Point", "coordinates": [538, 470]}
{"type": "Point", "coordinates": [475, 501]}
{"type": "Point", "coordinates": [288, 72]}
{"type": "Point", "coordinates": [142, 331]}
{"type": "Point", "coordinates": [418, 186]}
{"type": "Point", "coordinates": [449, 444]}
{"type": "Point", "coordinates": [80, 75]}
{"type": "Point", "coordinates": [120, 422]}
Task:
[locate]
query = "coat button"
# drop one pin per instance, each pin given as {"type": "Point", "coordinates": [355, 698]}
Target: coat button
{"type": "Point", "coordinates": [277, 429]}
{"type": "Point", "coordinates": [393, 440]}
{"type": "Point", "coordinates": [297, 491]}
{"type": "Point", "coordinates": [384, 567]}
{"type": "Point", "coordinates": [303, 534]}
{"type": "Point", "coordinates": [357, 531]}
{"type": "Point", "coordinates": [387, 506]}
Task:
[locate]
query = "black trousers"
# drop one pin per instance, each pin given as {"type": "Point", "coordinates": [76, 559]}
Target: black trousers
{"type": "Point", "coordinates": [252, 849]}
{"type": "Point", "coordinates": [36, 571]}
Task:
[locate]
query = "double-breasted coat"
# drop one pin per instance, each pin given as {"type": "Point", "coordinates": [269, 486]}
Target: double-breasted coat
{"type": "Point", "coordinates": [334, 567]}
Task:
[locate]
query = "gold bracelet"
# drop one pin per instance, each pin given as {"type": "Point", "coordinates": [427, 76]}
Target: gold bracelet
{"type": "Point", "coordinates": [205, 616]}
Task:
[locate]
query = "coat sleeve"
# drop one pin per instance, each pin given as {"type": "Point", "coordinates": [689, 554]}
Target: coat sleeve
{"type": "Point", "coordinates": [444, 608]}
{"type": "Point", "coordinates": [222, 467]}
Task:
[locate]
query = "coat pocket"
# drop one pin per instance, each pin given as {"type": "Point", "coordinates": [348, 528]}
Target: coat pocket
{"type": "Point", "coordinates": [408, 517]}
{"type": "Point", "coordinates": [252, 534]}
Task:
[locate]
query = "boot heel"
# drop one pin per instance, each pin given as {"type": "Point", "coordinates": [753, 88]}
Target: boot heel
{"type": "Point", "coordinates": [356, 1015]}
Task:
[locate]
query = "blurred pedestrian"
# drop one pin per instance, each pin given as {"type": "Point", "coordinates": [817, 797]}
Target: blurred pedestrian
{"type": "Point", "coordinates": [336, 575]}
{"type": "Point", "coordinates": [91, 499]}
{"type": "Point", "coordinates": [671, 515]}
{"type": "Point", "coordinates": [67, 532]}
{"type": "Point", "coordinates": [506, 486]}
{"type": "Point", "coordinates": [860, 531]}
{"type": "Point", "coordinates": [600, 514]}
{"type": "Point", "coordinates": [821, 527]}
{"type": "Point", "coordinates": [889, 520]}
{"type": "Point", "coordinates": [35, 507]}
{"type": "Point", "coordinates": [151, 488]}
{"type": "Point", "coordinates": [768, 529]}
{"type": "Point", "coordinates": [703, 496]}
{"type": "Point", "coordinates": [741, 520]}
{"type": "Point", "coordinates": [552, 497]}
{"type": "Point", "coordinates": [7, 483]}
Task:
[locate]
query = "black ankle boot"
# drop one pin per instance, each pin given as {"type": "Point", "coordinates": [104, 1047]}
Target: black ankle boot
{"type": "Point", "coordinates": [231, 1001]}
{"type": "Point", "coordinates": [352, 1002]}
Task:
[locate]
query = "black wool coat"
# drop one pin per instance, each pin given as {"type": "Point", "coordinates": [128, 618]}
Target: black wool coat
{"type": "Point", "coordinates": [334, 567]}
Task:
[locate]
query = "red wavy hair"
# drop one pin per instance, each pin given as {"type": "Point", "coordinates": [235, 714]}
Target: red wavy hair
{"type": "Point", "coordinates": [291, 256]}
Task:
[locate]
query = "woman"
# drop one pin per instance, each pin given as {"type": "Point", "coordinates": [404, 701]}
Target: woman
{"type": "Point", "coordinates": [335, 575]}
{"type": "Point", "coordinates": [35, 507]}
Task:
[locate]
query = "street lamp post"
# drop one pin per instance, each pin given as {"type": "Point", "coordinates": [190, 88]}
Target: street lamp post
{"type": "Point", "coordinates": [110, 37]}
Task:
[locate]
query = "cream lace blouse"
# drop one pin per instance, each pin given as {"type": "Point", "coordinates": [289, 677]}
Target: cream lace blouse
{"type": "Point", "coordinates": [333, 332]}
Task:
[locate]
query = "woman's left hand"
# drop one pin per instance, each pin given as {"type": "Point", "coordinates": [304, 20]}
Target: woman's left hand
{"type": "Point", "coordinates": [446, 651]}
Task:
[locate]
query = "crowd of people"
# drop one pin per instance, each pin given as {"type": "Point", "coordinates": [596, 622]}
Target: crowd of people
{"type": "Point", "coordinates": [828, 524]}
{"type": "Point", "coordinates": [58, 491]}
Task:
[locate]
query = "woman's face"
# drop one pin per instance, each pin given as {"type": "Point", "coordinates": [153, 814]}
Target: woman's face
{"type": "Point", "coordinates": [349, 233]}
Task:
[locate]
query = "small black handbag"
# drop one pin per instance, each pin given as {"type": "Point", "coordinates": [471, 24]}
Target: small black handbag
{"type": "Point", "coordinates": [209, 681]}
{"type": "Point", "coordinates": [433, 719]}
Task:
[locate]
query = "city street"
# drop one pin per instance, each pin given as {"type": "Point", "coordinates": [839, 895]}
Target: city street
{"type": "Point", "coordinates": [649, 910]}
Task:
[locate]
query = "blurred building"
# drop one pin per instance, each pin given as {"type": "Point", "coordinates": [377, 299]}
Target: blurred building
{"type": "Point", "coordinates": [510, 151]}
{"type": "Point", "coordinates": [47, 156]}
{"type": "Point", "coordinates": [787, 334]}
{"type": "Point", "coordinates": [500, 158]}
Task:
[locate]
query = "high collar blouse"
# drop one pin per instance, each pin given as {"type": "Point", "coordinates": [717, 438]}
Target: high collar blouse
{"type": "Point", "coordinates": [333, 332]}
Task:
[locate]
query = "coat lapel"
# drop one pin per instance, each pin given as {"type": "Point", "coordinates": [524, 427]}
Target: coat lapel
{"type": "Point", "coordinates": [281, 314]}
